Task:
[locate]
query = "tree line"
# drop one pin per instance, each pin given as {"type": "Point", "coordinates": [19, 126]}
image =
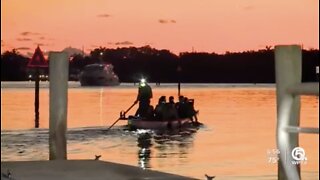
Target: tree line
{"type": "Point", "coordinates": [132, 63]}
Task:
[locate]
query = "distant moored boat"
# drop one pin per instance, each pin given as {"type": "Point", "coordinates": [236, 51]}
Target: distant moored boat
{"type": "Point", "coordinates": [98, 75]}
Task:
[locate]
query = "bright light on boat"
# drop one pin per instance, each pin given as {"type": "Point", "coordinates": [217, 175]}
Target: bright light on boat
{"type": "Point", "coordinates": [143, 80]}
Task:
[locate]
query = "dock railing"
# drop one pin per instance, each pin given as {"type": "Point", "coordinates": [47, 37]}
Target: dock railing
{"type": "Point", "coordinates": [289, 88]}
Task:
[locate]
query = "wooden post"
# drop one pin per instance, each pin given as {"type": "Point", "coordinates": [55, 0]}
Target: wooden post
{"type": "Point", "coordinates": [58, 94]}
{"type": "Point", "coordinates": [179, 79]}
{"type": "Point", "coordinates": [179, 89]}
{"type": "Point", "coordinates": [288, 63]}
{"type": "Point", "coordinates": [36, 98]}
{"type": "Point", "coordinates": [317, 73]}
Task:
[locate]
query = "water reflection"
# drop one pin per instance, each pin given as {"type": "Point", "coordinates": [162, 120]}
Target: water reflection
{"type": "Point", "coordinates": [214, 149]}
{"type": "Point", "coordinates": [144, 152]}
{"type": "Point", "coordinates": [163, 145]}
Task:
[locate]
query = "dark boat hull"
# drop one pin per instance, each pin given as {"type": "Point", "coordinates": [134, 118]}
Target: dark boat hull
{"type": "Point", "coordinates": [135, 123]}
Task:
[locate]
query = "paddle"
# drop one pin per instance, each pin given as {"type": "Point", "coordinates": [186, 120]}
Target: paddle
{"type": "Point", "coordinates": [122, 115]}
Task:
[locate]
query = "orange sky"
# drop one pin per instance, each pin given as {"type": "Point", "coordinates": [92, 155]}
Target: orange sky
{"type": "Point", "coordinates": [178, 25]}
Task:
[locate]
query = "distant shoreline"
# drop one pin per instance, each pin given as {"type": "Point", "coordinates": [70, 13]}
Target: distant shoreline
{"type": "Point", "coordinates": [76, 84]}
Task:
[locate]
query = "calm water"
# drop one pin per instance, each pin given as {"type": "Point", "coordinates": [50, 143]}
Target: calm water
{"type": "Point", "coordinates": [239, 130]}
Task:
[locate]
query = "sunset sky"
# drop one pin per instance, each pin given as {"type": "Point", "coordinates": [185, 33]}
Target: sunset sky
{"type": "Point", "coordinates": [178, 25]}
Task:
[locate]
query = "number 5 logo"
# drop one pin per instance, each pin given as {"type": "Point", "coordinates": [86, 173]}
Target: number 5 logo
{"type": "Point", "coordinates": [298, 154]}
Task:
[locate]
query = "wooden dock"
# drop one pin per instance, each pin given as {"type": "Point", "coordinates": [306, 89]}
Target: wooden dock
{"type": "Point", "coordinates": [80, 170]}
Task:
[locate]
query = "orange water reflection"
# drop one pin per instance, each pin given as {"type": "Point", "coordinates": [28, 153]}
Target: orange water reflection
{"type": "Point", "coordinates": [239, 129]}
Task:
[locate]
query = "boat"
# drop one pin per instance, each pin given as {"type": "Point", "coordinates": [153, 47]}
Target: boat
{"type": "Point", "coordinates": [153, 122]}
{"type": "Point", "coordinates": [98, 75]}
{"type": "Point", "coordinates": [135, 122]}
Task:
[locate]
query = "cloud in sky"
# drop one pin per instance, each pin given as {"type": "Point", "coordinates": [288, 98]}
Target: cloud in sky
{"type": "Point", "coordinates": [163, 21]}
{"type": "Point", "coordinates": [23, 48]}
{"type": "Point", "coordinates": [124, 43]}
{"type": "Point", "coordinates": [24, 39]}
{"type": "Point", "coordinates": [104, 15]}
{"type": "Point", "coordinates": [28, 33]}
{"type": "Point", "coordinates": [166, 21]}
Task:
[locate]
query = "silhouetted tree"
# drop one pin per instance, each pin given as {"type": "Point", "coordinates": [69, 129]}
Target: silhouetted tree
{"type": "Point", "coordinates": [132, 63]}
{"type": "Point", "coordinates": [13, 66]}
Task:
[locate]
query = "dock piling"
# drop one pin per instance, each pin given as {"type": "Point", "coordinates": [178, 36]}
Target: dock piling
{"type": "Point", "coordinates": [289, 88]}
{"type": "Point", "coordinates": [58, 96]}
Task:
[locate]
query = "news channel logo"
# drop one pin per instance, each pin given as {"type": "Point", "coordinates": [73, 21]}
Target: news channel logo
{"type": "Point", "coordinates": [298, 155]}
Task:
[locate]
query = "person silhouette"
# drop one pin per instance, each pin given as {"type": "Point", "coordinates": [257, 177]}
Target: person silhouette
{"type": "Point", "coordinates": [144, 96]}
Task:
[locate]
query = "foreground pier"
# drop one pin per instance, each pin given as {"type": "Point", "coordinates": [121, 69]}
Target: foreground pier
{"type": "Point", "coordinates": [80, 170]}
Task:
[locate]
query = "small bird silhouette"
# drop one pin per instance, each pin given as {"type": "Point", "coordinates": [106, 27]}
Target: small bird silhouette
{"type": "Point", "coordinates": [209, 177]}
{"type": "Point", "coordinates": [97, 157]}
{"type": "Point", "coordinates": [6, 176]}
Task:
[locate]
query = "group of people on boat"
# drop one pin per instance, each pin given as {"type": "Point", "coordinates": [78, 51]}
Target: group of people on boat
{"type": "Point", "coordinates": [164, 110]}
